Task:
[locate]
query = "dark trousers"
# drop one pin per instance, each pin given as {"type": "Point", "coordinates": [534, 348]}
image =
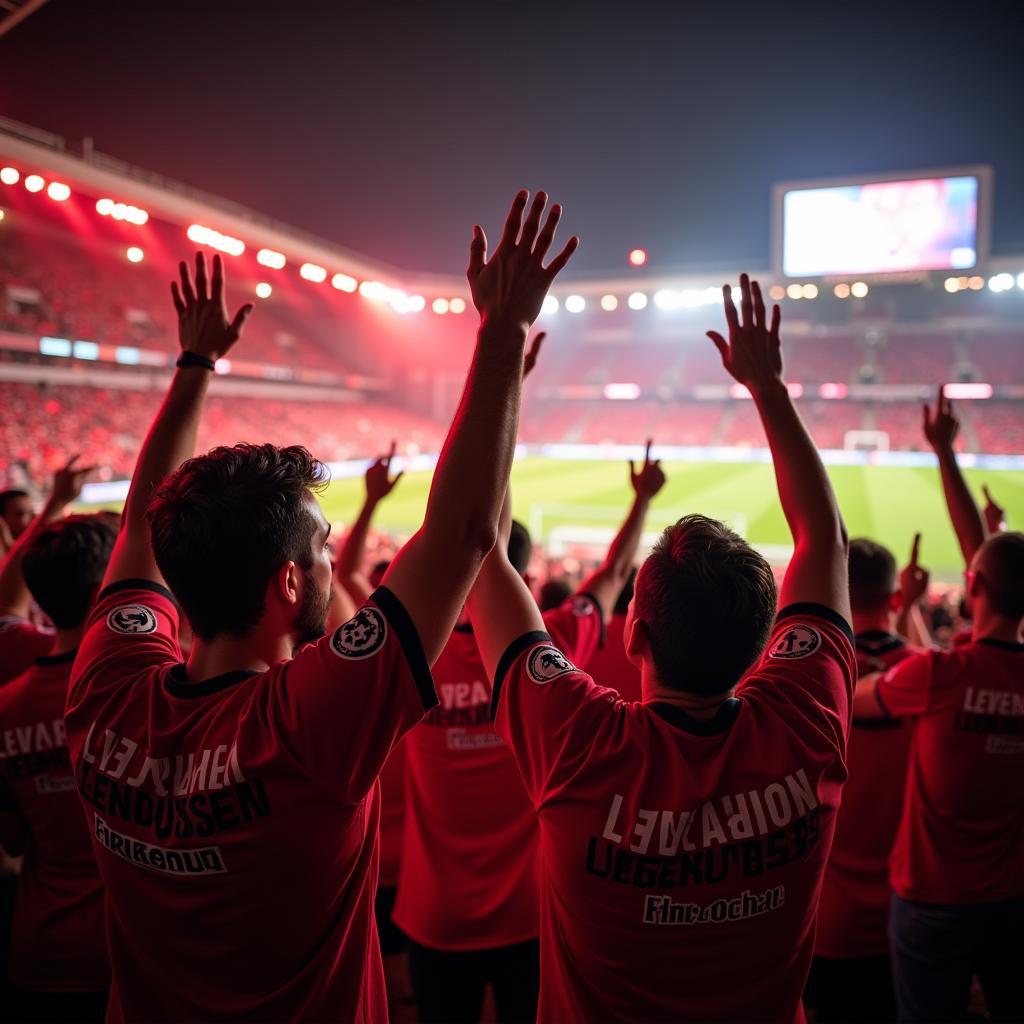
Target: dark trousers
{"type": "Point", "coordinates": [392, 938]}
{"type": "Point", "coordinates": [56, 1007]}
{"type": "Point", "coordinates": [449, 987]}
{"type": "Point", "coordinates": [937, 948]}
{"type": "Point", "coordinates": [845, 991]}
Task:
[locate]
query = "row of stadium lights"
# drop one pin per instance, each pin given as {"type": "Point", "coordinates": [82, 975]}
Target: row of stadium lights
{"type": "Point", "coordinates": [666, 299]}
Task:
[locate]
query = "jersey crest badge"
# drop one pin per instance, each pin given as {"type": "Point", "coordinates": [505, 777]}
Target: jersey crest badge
{"type": "Point", "coordinates": [362, 636]}
{"type": "Point", "coordinates": [547, 663]}
{"type": "Point", "coordinates": [132, 619]}
{"type": "Point", "coordinates": [798, 641]}
{"type": "Point", "coordinates": [582, 606]}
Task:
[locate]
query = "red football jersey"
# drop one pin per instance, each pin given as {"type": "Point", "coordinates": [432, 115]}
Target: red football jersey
{"type": "Point", "coordinates": [853, 917]}
{"type": "Point", "coordinates": [392, 815]}
{"type": "Point", "coordinates": [57, 933]}
{"type": "Point", "coordinates": [682, 857]}
{"type": "Point", "coordinates": [21, 642]}
{"type": "Point", "coordinates": [611, 664]}
{"type": "Point", "coordinates": [235, 820]}
{"type": "Point", "coordinates": [470, 864]}
{"type": "Point", "coordinates": [961, 836]}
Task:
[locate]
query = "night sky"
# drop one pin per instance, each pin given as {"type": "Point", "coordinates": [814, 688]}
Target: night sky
{"type": "Point", "coordinates": [389, 128]}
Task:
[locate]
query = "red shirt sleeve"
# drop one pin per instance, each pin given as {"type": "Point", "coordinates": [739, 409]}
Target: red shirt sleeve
{"type": "Point", "coordinates": [906, 689]}
{"type": "Point", "coordinates": [21, 642]}
{"type": "Point", "coordinates": [133, 627]}
{"type": "Point", "coordinates": [808, 668]}
{"type": "Point", "coordinates": [342, 704]}
{"type": "Point", "coordinates": [546, 710]}
{"type": "Point", "coordinates": [576, 627]}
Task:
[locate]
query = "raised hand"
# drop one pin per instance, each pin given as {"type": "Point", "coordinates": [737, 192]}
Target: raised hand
{"type": "Point", "coordinates": [68, 481]}
{"type": "Point", "coordinates": [994, 513]}
{"type": "Point", "coordinates": [649, 478]}
{"type": "Point", "coordinates": [753, 353]}
{"type": "Point", "coordinates": [942, 426]}
{"type": "Point", "coordinates": [914, 578]}
{"type": "Point", "coordinates": [379, 482]}
{"type": "Point", "coordinates": [203, 325]}
{"type": "Point", "coordinates": [531, 356]}
{"type": "Point", "coordinates": [510, 286]}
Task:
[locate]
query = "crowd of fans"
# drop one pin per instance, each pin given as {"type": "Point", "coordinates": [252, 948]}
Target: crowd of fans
{"type": "Point", "coordinates": [322, 781]}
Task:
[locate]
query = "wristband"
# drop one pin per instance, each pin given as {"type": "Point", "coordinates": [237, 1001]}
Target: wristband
{"type": "Point", "coordinates": [194, 359]}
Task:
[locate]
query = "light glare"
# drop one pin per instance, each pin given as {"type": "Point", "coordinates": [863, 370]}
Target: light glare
{"type": "Point", "coordinates": [952, 284]}
{"type": "Point", "coordinates": [134, 254]}
{"type": "Point", "coordinates": [439, 306]}
{"type": "Point", "coordinates": [271, 258]}
{"type": "Point", "coordinates": [263, 290]}
{"type": "Point", "coordinates": [858, 289]}
{"type": "Point", "coordinates": [313, 272]}
{"type": "Point", "coordinates": [609, 303]}
{"type": "Point", "coordinates": [34, 183]}
{"type": "Point", "coordinates": [10, 175]}
{"type": "Point", "coordinates": [575, 303]}
{"type": "Point", "coordinates": [637, 300]}
{"type": "Point", "coordinates": [58, 191]}
{"type": "Point", "coordinates": [550, 305]}
{"type": "Point", "coordinates": [457, 305]}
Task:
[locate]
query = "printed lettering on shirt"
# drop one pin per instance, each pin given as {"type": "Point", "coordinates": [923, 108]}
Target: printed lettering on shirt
{"type": "Point", "coordinates": [362, 636]}
{"type": "Point", "coordinates": [195, 794]}
{"type": "Point", "coordinates": [204, 860]}
{"type": "Point", "coordinates": [546, 663]}
{"type": "Point", "coordinates": [461, 705]}
{"type": "Point", "coordinates": [737, 836]}
{"type": "Point", "coordinates": [38, 751]}
{"type": "Point", "coordinates": [999, 712]}
{"type": "Point", "coordinates": [131, 618]}
{"type": "Point", "coordinates": [798, 641]}
{"type": "Point", "coordinates": [664, 910]}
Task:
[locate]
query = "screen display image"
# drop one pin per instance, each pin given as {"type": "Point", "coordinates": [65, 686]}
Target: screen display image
{"type": "Point", "coordinates": [881, 227]}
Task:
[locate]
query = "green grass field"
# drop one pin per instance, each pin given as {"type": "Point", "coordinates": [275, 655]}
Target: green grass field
{"type": "Point", "coordinates": [885, 503]}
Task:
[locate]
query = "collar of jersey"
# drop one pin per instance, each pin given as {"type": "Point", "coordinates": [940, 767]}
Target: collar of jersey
{"type": "Point", "coordinates": [178, 685]}
{"type": "Point", "coordinates": [878, 641]}
{"type": "Point", "coordinates": [1003, 645]}
{"type": "Point", "coordinates": [721, 722]}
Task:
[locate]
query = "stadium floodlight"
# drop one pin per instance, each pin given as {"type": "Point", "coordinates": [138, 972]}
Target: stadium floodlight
{"type": "Point", "coordinates": [399, 301]}
{"type": "Point", "coordinates": [34, 183]}
{"type": "Point", "coordinates": [270, 258]}
{"type": "Point", "coordinates": [858, 289]}
{"type": "Point", "coordinates": [439, 306]}
{"type": "Point", "coordinates": [795, 291]}
{"type": "Point", "coordinates": [58, 191]}
{"type": "Point", "coordinates": [2, 214]}
{"type": "Point", "coordinates": [417, 303]}
{"type": "Point", "coordinates": [667, 298]}
{"type": "Point", "coordinates": [104, 207]}
{"type": "Point", "coordinates": [313, 272]}
{"type": "Point", "coordinates": [952, 284]}
{"type": "Point", "coordinates": [637, 300]}
{"type": "Point", "coordinates": [1000, 282]}
{"type": "Point", "coordinates": [214, 239]}
{"type": "Point", "coordinates": [457, 305]}
{"type": "Point", "coordinates": [967, 391]}
{"type": "Point", "coordinates": [10, 175]}
{"type": "Point", "coordinates": [134, 254]}
{"type": "Point", "coordinates": [1020, 280]}
{"type": "Point", "coordinates": [549, 305]}
{"type": "Point", "coordinates": [638, 257]}
{"type": "Point", "coordinates": [264, 290]}
{"type": "Point", "coordinates": [976, 283]}
{"type": "Point", "coordinates": [622, 392]}
{"type": "Point", "coordinates": [222, 366]}
{"type": "Point", "coordinates": [609, 303]}
{"type": "Point", "coordinates": [376, 290]}
{"type": "Point", "coordinates": [833, 389]}
{"type": "Point", "coordinates": [344, 283]}
{"type": "Point", "coordinates": [810, 291]}
{"type": "Point", "coordinates": [841, 291]}
{"type": "Point", "coordinates": [575, 303]}
{"type": "Point", "coordinates": [777, 292]}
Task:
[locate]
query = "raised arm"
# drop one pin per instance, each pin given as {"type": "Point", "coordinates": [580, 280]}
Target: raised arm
{"type": "Point", "coordinates": [433, 573]}
{"type": "Point", "coordinates": [940, 430]}
{"type": "Point", "coordinates": [15, 598]}
{"type": "Point", "coordinates": [205, 335]}
{"type": "Point", "coordinates": [348, 570]}
{"type": "Point", "coordinates": [607, 582]}
{"type": "Point", "coordinates": [914, 579]}
{"type": "Point", "coordinates": [753, 356]}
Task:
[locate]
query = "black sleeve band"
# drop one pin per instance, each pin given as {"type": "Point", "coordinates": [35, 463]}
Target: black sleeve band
{"type": "Point", "coordinates": [194, 359]}
{"type": "Point", "coordinates": [819, 611]}
{"type": "Point", "coordinates": [599, 611]}
{"type": "Point", "coordinates": [157, 588]}
{"type": "Point", "coordinates": [412, 648]}
{"type": "Point", "coordinates": [514, 649]}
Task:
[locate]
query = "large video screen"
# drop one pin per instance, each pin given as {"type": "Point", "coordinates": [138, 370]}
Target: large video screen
{"type": "Point", "coordinates": [881, 227]}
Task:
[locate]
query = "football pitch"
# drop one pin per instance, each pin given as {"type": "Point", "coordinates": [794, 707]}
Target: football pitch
{"type": "Point", "coordinates": [583, 501]}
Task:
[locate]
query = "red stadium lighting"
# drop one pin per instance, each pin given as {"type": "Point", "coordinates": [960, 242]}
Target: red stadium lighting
{"type": "Point", "coordinates": [622, 392]}
{"type": "Point", "coordinates": [440, 306]}
{"type": "Point", "coordinates": [833, 389]}
{"type": "Point", "coordinates": [344, 283]}
{"type": "Point", "coordinates": [58, 191]}
{"type": "Point", "coordinates": [34, 183]}
{"type": "Point", "coordinates": [739, 391]}
{"type": "Point", "coordinates": [215, 240]}
{"type": "Point", "coordinates": [270, 258]}
{"type": "Point", "coordinates": [135, 254]}
{"type": "Point", "coordinates": [638, 257]}
{"type": "Point", "coordinates": [968, 391]}
{"type": "Point", "coordinates": [10, 175]}
{"type": "Point", "coordinates": [457, 305]}
{"type": "Point", "coordinates": [264, 290]}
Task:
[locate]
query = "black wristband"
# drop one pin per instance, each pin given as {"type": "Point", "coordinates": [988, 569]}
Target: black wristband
{"type": "Point", "coordinates": [194, 359]}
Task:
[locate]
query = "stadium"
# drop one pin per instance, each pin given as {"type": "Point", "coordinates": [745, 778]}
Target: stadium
{"type": "Point", "coordinates": [626, 626]}
{"type": "Point", "coordinates": [627, 360]}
